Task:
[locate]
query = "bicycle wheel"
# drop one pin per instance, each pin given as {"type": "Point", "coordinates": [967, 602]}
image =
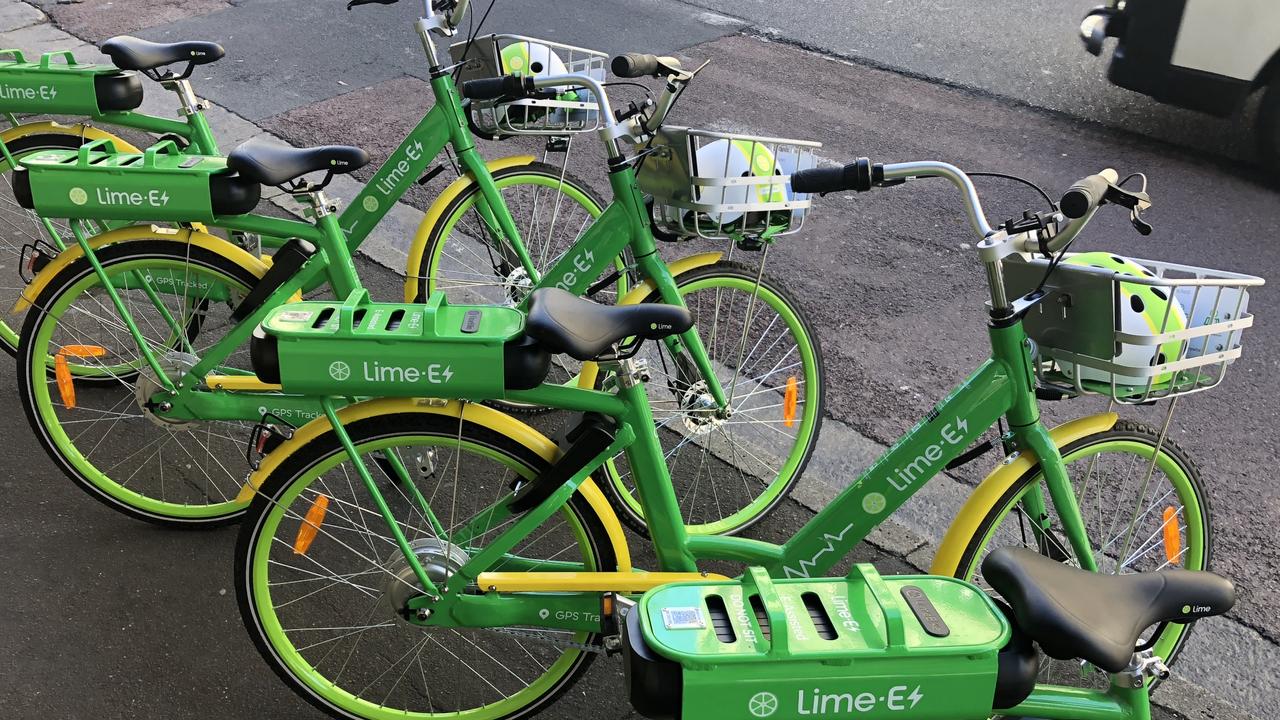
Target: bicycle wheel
{"type": "Point", "coordinates": [325, 618]}
{"type": "Point", "coordinates": [1136, 522]}
{"type": "Point", "coordinates": [106, 440]}
{"type": "Point", "coordinates": [464, 259]}
{"type": "Point", "coordinates": [20, 227]}
{"type": "Point", "coordinates": [729, 472]}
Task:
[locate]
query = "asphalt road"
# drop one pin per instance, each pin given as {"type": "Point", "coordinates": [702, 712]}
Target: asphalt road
{"type": "Point", "coordinates": [1025, 51]}
{"type": "Point", "coordinates": [112, 619]}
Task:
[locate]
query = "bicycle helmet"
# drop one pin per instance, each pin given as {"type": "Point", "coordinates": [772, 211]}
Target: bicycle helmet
{"type": "Point", "coordinates": [734, 159]}
{"type": "Point", "coordinates": [1141, 310]}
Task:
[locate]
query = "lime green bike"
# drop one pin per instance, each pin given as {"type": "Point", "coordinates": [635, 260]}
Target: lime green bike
{"type": "Point", "coordinates": [397, 542]}
{"type": "Point", "coordinates": [169, 312]}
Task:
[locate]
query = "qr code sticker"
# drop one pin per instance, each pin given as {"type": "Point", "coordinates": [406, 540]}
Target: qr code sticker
{"type": "Point", "coordinates": [687, 618]}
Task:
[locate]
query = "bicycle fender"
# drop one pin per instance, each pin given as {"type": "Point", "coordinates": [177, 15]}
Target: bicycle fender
{"type": "Point", "coordinates": [435, 214]}
{"type": "Point", "coordinates": [87, 132]}
{"type": "Point", "coordinates": [996, 484]}
{"type": "Point", "coordinates": [473, 412]}
{"type": "Point", "coordinates": [136, 233]}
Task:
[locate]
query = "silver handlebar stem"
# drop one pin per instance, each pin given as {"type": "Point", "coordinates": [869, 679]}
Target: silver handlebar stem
{"type": "Point", "coordinates": [432, 22]}
{"type": "Point", "coordinates": [977, 217]}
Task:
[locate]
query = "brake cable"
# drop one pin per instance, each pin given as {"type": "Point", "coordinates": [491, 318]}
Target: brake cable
{"type": "Point", "coordinates": [472, 32]}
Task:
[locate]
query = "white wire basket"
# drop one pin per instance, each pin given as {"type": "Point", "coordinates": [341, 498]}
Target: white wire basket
{"type": "Point", "coordinates": [1163, 331]}
{"type": "Point", "coordinates": [719, 186]}
{"type": "Point", "coordinates": [572, 110]}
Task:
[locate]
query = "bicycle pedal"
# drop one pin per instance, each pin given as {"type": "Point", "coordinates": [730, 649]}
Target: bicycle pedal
{"type": "Point", "coordinates": [867, 646]}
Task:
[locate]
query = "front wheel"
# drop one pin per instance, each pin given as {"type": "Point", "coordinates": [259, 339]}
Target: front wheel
{"type": "Point", "coordinates": [1139, 518]}
{"type": "Point", "coordinates": [326, 612]}
{"type": "Point", "coordinates": [730, 469]}
{"type": "Point", "coordinates": [466, 258]}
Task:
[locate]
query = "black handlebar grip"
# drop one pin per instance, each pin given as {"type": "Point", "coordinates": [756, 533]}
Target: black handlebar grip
{"type": "Point", "coordinates": [634, 65]}
{"type": "Point", "coordinates": [498, 87]}
{"type": "Point", "coordinates": [818, 180]}
{"type": "Point", "coordinates": [1084, 196]}
{"type": "Point", "coordinates": [856, 176]}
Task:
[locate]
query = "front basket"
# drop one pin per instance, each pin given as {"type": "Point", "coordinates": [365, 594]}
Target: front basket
{"type": "Point", "coordinates": [1095, 333]}
{"type": "Point", "coordinates": [719, 186]}
{"type": "Point", "coordinates": [572, 111]}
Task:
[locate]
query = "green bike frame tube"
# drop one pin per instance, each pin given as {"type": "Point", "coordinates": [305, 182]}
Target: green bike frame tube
{"type": "Point", "coordinates": [195, 129]}
{"type": "Point", "coordinates": [401, 541]}
{"type": "Point", "coordinates": [1053, 702]}
{"type": "Point", "coordinates": [950, 428]}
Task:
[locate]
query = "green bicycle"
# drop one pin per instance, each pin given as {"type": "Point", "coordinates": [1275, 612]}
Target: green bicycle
{"type": "Point", "coordinates": [400, 540]}
{"type": "Point", "coordinates": [168, 313]}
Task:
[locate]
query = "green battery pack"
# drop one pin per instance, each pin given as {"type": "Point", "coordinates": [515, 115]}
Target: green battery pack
{"type": "Point", "coordinates": [360, 349]}
{"type": "Point", "coordinates": [65, 88]}
{"type": "Point", "coordinates": [864, 646]}
{"type": "Point", "coordinates": [96, 182]}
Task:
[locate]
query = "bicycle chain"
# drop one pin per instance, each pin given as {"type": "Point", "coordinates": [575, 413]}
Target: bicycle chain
{"type": "Point", "coordinates": [542, 638]}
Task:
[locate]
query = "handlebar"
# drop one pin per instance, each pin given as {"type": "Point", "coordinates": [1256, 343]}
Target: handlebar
{"type": "Point", "coordinates": [1087, 194]}
{"type": "Point", "coordinates": [638, 65]}
{"type": "Point", "coordinates": [515, 86]}
{"type": "Point", "coordinates": [1078, 204]}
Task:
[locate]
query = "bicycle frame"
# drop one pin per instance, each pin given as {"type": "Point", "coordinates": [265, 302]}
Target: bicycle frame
{"type": "Point", "coordinates": [622, 225]}
{"type": "Point", "coordinates": [1054, 702]}
{"type": "Point", "coordinates": [558, 595]}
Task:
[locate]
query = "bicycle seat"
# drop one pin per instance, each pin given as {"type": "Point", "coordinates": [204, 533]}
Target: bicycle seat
{"type": "Point", "coordinates": [131, 53]}
{"type": "Point", "coordinates": [565, 323]}
{"type": "Point", "coordinates": [272, 164]}
{"type": "Point", "coordinates": [1073, 613]}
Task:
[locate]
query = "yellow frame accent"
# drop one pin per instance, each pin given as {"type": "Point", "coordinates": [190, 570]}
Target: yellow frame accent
{"type": "Point", "coordinates": [622, 582]}
{"type": "Point", "coordinates": [436, 211]}
{"type": "Point", "coordinates": [479, 414]}
{"type": "Point", "coordinates": [134, 233]}
{"type": "Point", "coordinates": [240, 383]}
{"type": "Point", "coordinates": [967, 523]}
{"type": "Point", "coordinates": [55, 128]}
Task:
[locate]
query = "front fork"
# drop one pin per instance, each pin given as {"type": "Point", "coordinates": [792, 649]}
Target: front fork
{"type": "Point", "coordinates": [495, 215]}
{"type": "Point", "coordinates": [688, 343]}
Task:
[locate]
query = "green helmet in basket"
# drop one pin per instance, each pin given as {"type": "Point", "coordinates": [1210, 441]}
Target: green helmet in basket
{"type": "Point", "coordinates": [735, 159]}
{"type": "Point", "coordinates": [1142, 310]}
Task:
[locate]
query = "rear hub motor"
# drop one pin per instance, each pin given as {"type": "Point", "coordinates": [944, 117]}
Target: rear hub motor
{"type": "Point", "coordinates": [439, 559]}
{"type": "Point", "coordinates": [175, 365]}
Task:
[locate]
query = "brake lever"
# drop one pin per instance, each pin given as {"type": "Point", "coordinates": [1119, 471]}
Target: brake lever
{"type": "Point", "coordinates": [1136, 202]}
{"type": "Point", "coordinates": [1142, 226]}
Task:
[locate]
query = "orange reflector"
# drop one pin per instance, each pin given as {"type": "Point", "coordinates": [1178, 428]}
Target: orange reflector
{"type": "Point", "coordinates": [310, 526]}
{"type": "Point", "coordinates": [66, 386]}
{"type": "Point", "coordinates": [83, 351]}
{"type": "Point", "coordinates": [1172, 536]}
{"type": "Point", "coordinates": [789, 402]}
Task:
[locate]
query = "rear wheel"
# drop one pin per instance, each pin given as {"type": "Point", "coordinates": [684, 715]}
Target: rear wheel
{"type": "Point", "coordinates": [326, 617]}
{"type": "Point", "coordinates": [1137, 521]}
{"type": "Point", "coordinates": [102, 435]}
{"type": "Point", "coordinates": [22, 228]}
